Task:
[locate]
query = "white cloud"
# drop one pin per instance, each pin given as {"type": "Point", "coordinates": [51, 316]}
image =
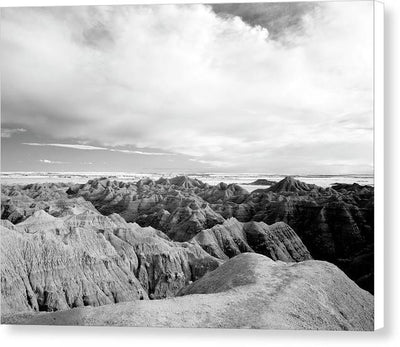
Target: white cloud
{"type": "Point", "coordinates": [214, 163]}
{"type": "Point", "coordinates": [46, 161]}
{"type": "Point", "coordinates": [73, 146]}
{"type": "Point", "coordinates": [185, 80]}
{"type": "Point", "coordinates": [6, 133]}
{"type": "Point", "coordinates": [92, 148]}
{"type": "Point", "coordinates": [138, 152]}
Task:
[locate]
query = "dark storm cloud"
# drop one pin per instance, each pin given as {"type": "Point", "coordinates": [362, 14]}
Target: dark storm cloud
{"type": "Point", "coordinates": [278, 18]}
{"type": "Point", "coordinates": [98, 36]}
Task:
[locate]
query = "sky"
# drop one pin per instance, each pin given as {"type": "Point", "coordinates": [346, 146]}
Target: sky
{"type": "Point", "coordinates": [278, 88]}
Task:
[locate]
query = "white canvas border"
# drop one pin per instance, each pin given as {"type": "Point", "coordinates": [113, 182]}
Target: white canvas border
{"type": "Point", "coordinates": [379, 162]}
{"type": "Point", "coordinates": [378, 134]}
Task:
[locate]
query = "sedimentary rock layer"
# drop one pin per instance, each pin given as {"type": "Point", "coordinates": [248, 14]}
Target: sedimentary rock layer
{"type": "Point", "coordinates": [277, 241]}
{"type": "Point", "coordinates": [51, 263]}
{"type": "Point", "coordinates": [335, 224]}
{"type": "Point", "coordinates": [87, 259]}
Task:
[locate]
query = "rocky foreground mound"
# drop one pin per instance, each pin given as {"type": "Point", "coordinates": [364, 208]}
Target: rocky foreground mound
{"type": "Point", "coordinates": [248, 291]}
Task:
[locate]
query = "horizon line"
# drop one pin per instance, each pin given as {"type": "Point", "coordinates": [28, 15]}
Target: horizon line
{"type": "Point", "coordinates": [183, 173]}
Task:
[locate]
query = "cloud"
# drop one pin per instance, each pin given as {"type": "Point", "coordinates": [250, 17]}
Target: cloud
{"type": "Point", "coordinates": [213, 163]}
{"type": "Point", "coordinates": [7, 133]}
{"type": "Point", "coordinates": [282, 20]}
{"type": "Point", "coordinates": [138, 152]}
{"type": "Point", "coordinates": [92, 148]}
{"type": "Point", "coordinates": [189, 81]}
{"type": "Point", "coordinates": [72, 146]}
{"type": "Point", "coordinates": [46, 161]}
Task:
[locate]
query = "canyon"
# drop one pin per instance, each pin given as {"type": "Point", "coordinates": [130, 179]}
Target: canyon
{"type": "Point", "coordinates": [106, 243]}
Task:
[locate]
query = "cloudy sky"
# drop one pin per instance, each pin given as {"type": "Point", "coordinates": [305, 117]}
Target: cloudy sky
{"type": "Point", "coordinates": [275, 88]}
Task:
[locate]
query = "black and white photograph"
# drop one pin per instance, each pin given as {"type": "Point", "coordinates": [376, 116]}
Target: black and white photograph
{"type": "Point", "coordinates": [189, 165]}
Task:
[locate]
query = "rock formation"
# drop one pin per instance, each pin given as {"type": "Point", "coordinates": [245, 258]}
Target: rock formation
{"type": "Point", "coordinates": [20, 202]}
{"type": "Point", "coordinates": [56, 263]}
{"type": "Point", "coordinates": [171, 206]}
{"type": "Point", "coordinates": [220, 248]}
{"type": "Point", "coordinates": [222, 193]}
{"type": "Point", "coordinates": [51, 263]}
{"type": "Point", "coordinates": [277, 241]}
{"type": "Point", "coordinates": [289, 184]}
{"type": "Point", "coordinates": [335, 224]}
{"type": "Point", "coordinates": [48, 272]}
{"type": "Point", "coordinates": [262, 182]}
